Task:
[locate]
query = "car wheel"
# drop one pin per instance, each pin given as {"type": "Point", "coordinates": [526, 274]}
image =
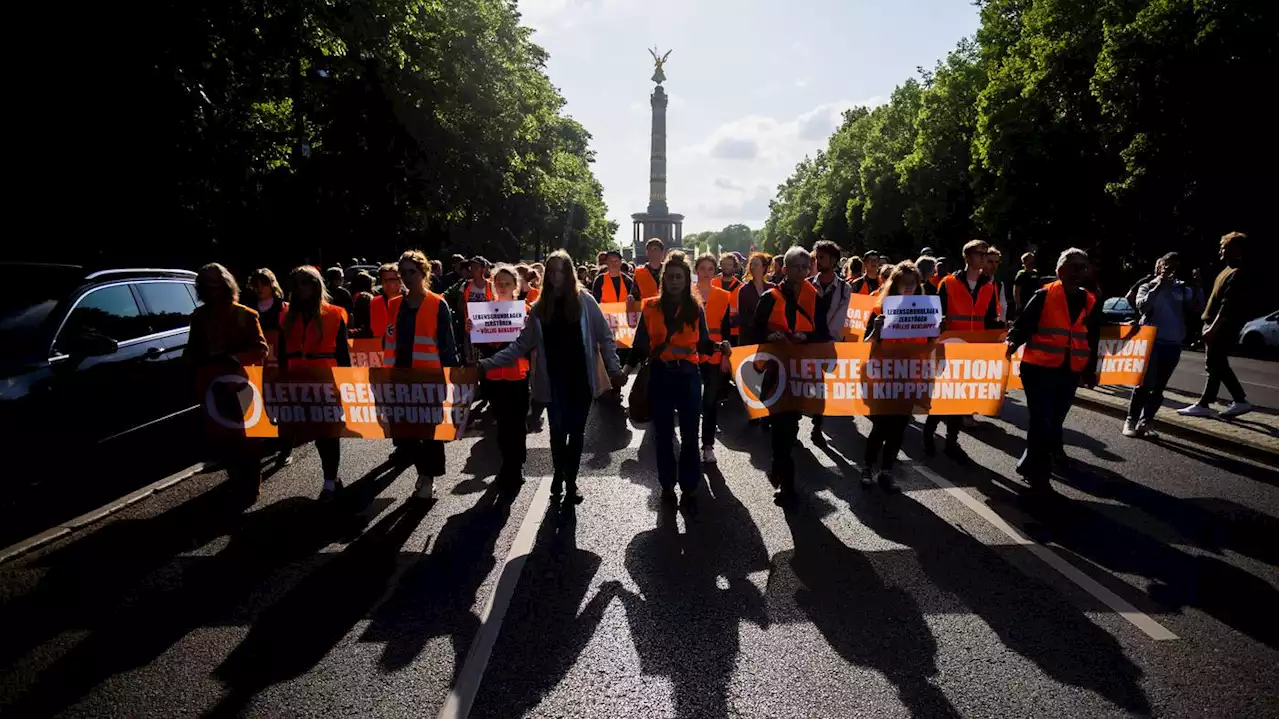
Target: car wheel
{"type": "Point", "coordinates": [1254, 344]}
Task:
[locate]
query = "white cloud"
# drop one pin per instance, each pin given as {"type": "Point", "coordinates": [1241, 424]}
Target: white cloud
{"type": "Point", "coordinates": [802, 83]}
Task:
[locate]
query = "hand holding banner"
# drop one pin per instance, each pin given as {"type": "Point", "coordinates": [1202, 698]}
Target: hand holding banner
{"type": "Point", "coordinates": [493, 322]}
{"type": "Point", "coordinates": [911, 316]}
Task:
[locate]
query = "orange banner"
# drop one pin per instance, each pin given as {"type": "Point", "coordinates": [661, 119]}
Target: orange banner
{"type": "Point", "coordinates": [341, 402]}
{"type": "Point", "coordinates": [855, 320]}
{"type": "Point", "coordinates": [848, 378]}
{"type": "Point", "coordinates": [622, 322]}
{"type": "Point", "coordinates": [1123, 353]}
{"type": "Point", "coordinates": [366, 353]}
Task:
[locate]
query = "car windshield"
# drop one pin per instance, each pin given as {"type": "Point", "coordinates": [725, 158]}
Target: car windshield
{"type": "Point", "coordinates": [26, 300]}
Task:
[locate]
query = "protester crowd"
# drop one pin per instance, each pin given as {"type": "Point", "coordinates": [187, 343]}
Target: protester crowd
{"type": "Point", "coordinates": [690, 312]}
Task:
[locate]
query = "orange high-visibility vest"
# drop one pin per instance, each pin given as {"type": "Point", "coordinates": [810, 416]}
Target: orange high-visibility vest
{"type": "Point", "coordinates": [682, 345]}
{"type": "Point", "coordinates": [515, 372]}
{"type": "Point", "coordinates": [860, 286]}
{"type": "Point", "coordinates": [728, 284]}
{"type": "Point", "coordinates": [378, 316]}
{"type": "Point", "coordinates": [647, 282]}
{"type": "Point", "coordinates": [964, 313]}
{"type": "Point", "coordinates": [717, 304]}
{"type": "Point", "coordinates": [532, 295]}
{"type": "Point", "coordinates": [1059, 335]}
{"type": "Point", "coordinates": [314, 343]}
{"type": "Point", "coordinates": [608, 293]}
{"type": "Point", "coordinates": [807, 297]}
{"type": "Point", "coordinates": [426, 353]}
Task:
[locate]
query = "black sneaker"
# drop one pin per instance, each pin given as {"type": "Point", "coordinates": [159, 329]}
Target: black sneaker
{"type": "Point", "coordinates": [887, 480]}
{"type": "Point", "coordinates": [327, 495]}
{"type": "Point", "coordinates": [689, 503]}
{"type": "Point", "coordinates": [818, 439]}
{"type": "Point", "coordinates": [572, 496]}
{"type": "Point", "coordinates": [669, 495]}
{"type": "Point", "coordinates": [956, 454]}
{"type": "Point", "coordinates": [784, 495]}
{"type": "Point", "coordinates": [929, 444]}
{"type": "Point", "coordinates": [868, 476]}
{"type": "Point", "coordinates": [557, 488]}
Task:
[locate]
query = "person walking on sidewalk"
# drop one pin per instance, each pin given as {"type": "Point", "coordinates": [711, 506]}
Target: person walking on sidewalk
{"type": "Point", "coordinates": [785, 314]}
{"type": "Point", "coordinates": [1225, 313]}
{"type": "Point", "coordinates": [568, 331]}
{"type": "Point", "coordinates": [1164, 303]}
{"type": "Point", "coordinates": [831, 309]}
{"type": "Point", "coordinates": [1060, 336]}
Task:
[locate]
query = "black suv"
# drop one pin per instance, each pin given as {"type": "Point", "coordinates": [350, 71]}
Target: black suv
{"type": "Point", "coordinates": [87, 359]}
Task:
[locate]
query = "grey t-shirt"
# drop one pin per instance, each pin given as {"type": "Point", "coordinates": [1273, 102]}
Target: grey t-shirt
{"type": "Point", "coordinates": [1165, 305]}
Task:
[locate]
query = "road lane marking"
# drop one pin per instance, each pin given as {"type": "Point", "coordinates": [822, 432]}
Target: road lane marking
{"type": "Point", "coordinates": [1130, 613]}
{"type": "Point", "coordinates": [463, 694]}
{"type": "Point", "coordinates": [30, 544]}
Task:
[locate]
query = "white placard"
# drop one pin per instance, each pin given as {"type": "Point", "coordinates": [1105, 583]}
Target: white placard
{"type": "Point", "coordinates": [907, 316]}
{"type": "Point", "coordinates": [495, 321]}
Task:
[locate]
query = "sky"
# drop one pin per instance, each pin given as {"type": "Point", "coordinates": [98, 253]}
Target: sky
{"type": "Point", "coordinates": [754, 86]}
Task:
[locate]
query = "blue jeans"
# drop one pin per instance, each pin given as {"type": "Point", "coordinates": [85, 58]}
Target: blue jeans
{"type": "Point", "coordinates": [676, 390]}
{"type": "Point", "coordinates": [1049, 395]}
{"type": "Point", "coordinates": [1148, 396]}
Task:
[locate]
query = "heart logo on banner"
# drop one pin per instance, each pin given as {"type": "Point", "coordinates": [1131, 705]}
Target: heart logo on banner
{"type": "Point", "coordinates": [761, 380]}
{"type": "Point", "coordinates": [238, 397]}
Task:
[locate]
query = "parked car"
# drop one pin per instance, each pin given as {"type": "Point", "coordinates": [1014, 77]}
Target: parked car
{"type": "Point", "coordinates": [350, 273]}
{"type": "Point", "coordinates": [1259, 335]}
{"type": "Point", "coordinates": [88, 359]}
{"type": "Point", "coordinates": [1117, 310]}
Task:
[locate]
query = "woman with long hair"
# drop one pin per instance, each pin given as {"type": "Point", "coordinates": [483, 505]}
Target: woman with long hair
{"type": "Point", "coordinates": [314, 334]}
{"type": "Point", "coordinates": [673, 336]}
{"type": "Point", "coordinates": [271, 308]}
{"type": "Point", "coordinates": [225, 336]}
{"type": "Point", "coordinates": [569, 332]}
{"type": "Point", "coordinates": [419, 336]}
{"type": "Point", "coordinates": [887, 430]}
{"type": "Point", "coordinates": [507, 388]}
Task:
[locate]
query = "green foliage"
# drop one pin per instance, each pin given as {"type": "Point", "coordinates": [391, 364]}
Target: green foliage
{"type": "Point", "coordinates": [1123, 126]}
{"type": "Point", "coordinates": [733, 238]}
{"type": "Point", "coordinates": [285, 131]}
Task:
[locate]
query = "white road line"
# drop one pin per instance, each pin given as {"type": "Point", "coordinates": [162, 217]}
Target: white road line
{"type": "Point", "coordinates": [1130, 613]}
{"type": "Point", "coordinates": [31, 544]}
{"type": "Point", "coordinates": [463, 693]}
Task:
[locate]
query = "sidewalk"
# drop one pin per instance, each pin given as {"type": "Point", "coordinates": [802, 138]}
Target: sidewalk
{"type": "Point", "coordinates": [1254, 434]}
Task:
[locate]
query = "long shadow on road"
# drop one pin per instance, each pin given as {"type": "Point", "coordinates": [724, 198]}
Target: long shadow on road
{"type": "Point", "coordinates": [157, 601]}
{"type": "Point", "coordinates": [1030, 618]}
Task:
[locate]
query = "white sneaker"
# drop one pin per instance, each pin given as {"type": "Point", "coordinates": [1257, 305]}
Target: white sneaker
{"type": "Point", "coordinates": [1129, 430]}
{"type": "Point", "coordinates": [1196, 410]}
{"type": "Point", "coordinates": [708, 455]}
{"type": "Point", "coordinates": [1146, 430]}
{"type": "Point", "coordinates": [1235, 409]}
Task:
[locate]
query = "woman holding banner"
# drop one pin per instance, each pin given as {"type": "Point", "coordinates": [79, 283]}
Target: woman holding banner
{"type": "Point", "coordinates": [887, 430]}
{"type": "Point", "coordinates": [785, 314]}
{"type": "Point", "coordinates": [507, 388]}
{"type": "Point", "coordinates": [314, 334]}
{"type": "Point", "coordinates": [673, 336]}
{"type": "Point", "coordinates": [226, 336]}
{"type": "Point", "coordinates": [420, 337]}
{"type": "Point", "coordinates": [570, 334]}
{"type": "Point", "coordinates": [1060, 335]}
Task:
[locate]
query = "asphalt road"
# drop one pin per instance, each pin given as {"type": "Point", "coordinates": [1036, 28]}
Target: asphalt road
{"type": "Point", "coordinates": [1257, 376]}
{"type": "Point", "coordinates": [854, 603]}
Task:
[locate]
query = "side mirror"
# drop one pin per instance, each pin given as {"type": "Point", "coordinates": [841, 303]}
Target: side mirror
{"type": "Point", "coordinates": [87, 344]}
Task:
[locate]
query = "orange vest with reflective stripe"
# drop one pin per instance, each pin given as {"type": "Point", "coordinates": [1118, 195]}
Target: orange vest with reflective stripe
{"type": "Point", "coordinates": [683, 345]}
{"type": "Point", "coordinates": [517, 371]}
{"type": "Point", "coordinates": [314, 343]}
{"type": "Point", "coordinates": [647, 282]}
{"type": "Point", "coordinates": [717, 304]}
{"type": "Point", "coordinates": [1058, 334]}
{"type": "Point", "coordinates": [426, 353]}
{"type": "Point", "coordinates": [808, 301]}
{"type": "Point", "coordinates": [608, 293]}
{"type": "Point", "coordinates": [964, 313]}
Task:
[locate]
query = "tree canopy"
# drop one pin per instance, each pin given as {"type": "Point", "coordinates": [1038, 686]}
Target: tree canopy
{"type": "Point", "coordinates": [280, 131]}
{"type": "Point", "coordinates": [1122, 126]}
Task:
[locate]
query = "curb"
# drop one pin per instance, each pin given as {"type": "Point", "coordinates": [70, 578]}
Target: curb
{"type": "Point", "coordinates": [1253, 449]}
{"type": "Point", "coordinates": [30, 544]}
